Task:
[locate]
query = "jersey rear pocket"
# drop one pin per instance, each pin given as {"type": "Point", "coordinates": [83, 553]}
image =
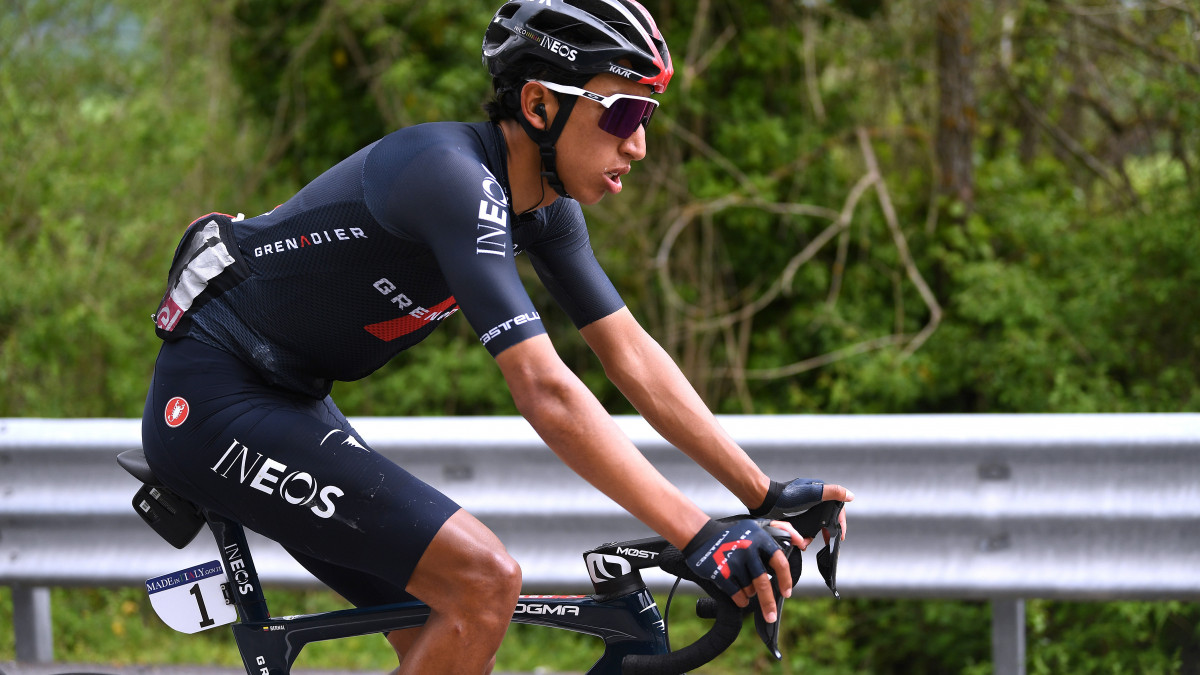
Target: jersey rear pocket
{"type": "Point", "coordinates": [203, 268]}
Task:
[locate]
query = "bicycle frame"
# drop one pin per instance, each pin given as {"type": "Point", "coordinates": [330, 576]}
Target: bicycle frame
{"type": "Point", "coordinates": [622, 612]}
{"type": "Point", "coordinates": [625, 617]}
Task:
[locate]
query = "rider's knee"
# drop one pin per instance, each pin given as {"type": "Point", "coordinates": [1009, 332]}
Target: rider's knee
{"type": "Point", "coordinates": [479, 580]}
{"type": "Point", "coordinates": [499, 577]}
{"type": "Point", "coordinates": [486, 590]}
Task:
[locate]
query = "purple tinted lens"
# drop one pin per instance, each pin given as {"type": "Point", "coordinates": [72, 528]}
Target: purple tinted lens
{"type": "Point", "coordinates": [622, 118]}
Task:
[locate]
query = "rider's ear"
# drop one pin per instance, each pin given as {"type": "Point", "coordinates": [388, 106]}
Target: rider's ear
{"type": "Point", "coordinates": [533, 103]}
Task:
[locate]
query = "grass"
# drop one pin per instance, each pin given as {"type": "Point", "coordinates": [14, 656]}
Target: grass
{"type": "Point", "coordinates": [819, 637]}
{"type": "Point", "coordinates": [118, 627]}
{"type": "Point", "coordinates": [8, 649]}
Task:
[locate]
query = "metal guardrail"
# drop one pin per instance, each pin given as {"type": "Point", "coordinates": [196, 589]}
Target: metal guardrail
{"type": "Point", "coordinates": [998, 507]}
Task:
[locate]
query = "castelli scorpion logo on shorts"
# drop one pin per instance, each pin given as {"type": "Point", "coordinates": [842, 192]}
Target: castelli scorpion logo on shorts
{"type": "Point", "coordinates": [177, 412]}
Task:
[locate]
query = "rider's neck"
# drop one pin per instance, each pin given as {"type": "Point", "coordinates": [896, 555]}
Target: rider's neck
{"type": "Point", "coordinates": [530, 191]}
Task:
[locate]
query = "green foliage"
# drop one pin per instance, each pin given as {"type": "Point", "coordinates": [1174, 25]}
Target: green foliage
{"type": "Point", "coordinates": [119, 627]}
{"type": "Point", "coordinates": [1060, 293]}
{"type": "Point", "coordinates": [101, 152]}
{"type": "Point", "coordinates": [820, 636]}
{"type": "Point", "coordinates": [1068, 284]}
{"type": "Point", "coordinates": [1081, 311]}
{"type": "Point", "coordinates": [1047, 307]}
{"type": "Point", "coordinates": [8, 646]}
{"type": "Point", "coordinates": [1156, 638]}
{"type": "Point", "coordinates": [338, 75]}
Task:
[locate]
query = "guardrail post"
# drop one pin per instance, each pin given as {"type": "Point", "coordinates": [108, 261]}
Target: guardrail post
{"type": "Point", "coordinates": [31, 624]}
{"type": "Point", "coordinates": [1008, 637]}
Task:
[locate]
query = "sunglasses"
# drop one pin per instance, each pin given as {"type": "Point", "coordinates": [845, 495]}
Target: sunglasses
{"type": "Point", "coordinates": [623, 113]}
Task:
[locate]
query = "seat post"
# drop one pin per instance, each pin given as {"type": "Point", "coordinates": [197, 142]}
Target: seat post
{"type": "Point", "coordinates": [245, 587]}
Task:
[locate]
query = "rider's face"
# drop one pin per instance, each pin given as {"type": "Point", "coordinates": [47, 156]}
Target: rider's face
{"type": "Point", "coordinates": [591, 162]}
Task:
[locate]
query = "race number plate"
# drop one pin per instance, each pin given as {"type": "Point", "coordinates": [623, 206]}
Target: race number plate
{"type": "Point", "coordinates": [191, 600]}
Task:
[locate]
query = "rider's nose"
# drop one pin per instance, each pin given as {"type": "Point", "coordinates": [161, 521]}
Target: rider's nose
{"type": "Point", "coordinates": [635, 145]}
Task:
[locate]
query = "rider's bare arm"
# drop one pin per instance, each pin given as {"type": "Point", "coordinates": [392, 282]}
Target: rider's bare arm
{"type": "Point", "coordinates": [572, 422]}
{"type": "Point", "coordinates": [653, 383]}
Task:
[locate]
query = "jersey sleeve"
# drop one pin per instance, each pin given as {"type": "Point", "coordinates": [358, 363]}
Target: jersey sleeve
{"type": "Point", "coordinates": [567, 266]}
{"type": "Point", "coordinates": [447, 199]}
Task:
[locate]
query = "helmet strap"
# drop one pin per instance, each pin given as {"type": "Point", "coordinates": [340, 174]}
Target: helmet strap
{"type": "Point", "coordinates": [546, 138]}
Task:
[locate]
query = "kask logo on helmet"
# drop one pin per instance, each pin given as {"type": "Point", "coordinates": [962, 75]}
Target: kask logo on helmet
{"type": "Point", "coordinates": [624, 72]}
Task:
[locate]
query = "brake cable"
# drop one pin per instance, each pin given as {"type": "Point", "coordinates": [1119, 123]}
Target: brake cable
{"type": "Point", "coordinates": [667, 613]}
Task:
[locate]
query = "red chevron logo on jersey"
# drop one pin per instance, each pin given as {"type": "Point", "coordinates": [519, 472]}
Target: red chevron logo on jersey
{"type": "Point", "coordinates": [413, 321]}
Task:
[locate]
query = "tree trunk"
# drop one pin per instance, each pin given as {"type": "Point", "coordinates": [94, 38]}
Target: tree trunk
{"type": "Point", "coordinates": [956, 106]}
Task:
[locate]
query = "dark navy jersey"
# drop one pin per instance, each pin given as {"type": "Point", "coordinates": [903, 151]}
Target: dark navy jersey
{"type": "Point", "coordinates": [369, 258]}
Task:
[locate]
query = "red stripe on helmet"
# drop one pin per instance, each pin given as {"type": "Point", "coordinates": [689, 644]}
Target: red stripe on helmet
{"type": "Point", "coordinates": [665, 68]}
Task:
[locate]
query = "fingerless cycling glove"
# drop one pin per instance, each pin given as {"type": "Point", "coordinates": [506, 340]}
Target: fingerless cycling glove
{"type": "Point", "coordinates": [785, 500]}
{"type": "Point", "coordinates": [731, 555]}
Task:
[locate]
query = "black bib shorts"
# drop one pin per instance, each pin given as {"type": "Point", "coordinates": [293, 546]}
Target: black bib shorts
{"type": "Point", "coordinates": [291, 468]}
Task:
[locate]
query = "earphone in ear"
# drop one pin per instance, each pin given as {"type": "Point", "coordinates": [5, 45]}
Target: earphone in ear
{"type": "Point", "coordinates": [540, 110]}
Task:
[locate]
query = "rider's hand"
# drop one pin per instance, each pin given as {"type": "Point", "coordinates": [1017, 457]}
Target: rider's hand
{"type": "Point", "coordinates": [785, 500]}
{"type": "Point", "coordinates": [734, 557]}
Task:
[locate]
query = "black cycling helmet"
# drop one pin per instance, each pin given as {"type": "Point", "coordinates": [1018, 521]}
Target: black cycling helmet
{"type": "Point", "coordinates": [579, 37]}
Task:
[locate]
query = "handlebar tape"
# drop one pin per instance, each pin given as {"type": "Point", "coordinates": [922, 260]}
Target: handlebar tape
{"type": "Point", "coordinates": [719, 637]}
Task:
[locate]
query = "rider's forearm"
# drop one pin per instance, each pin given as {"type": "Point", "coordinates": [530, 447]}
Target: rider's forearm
{"type": "Point", "coordinates": [671, 405]}
{"type": "Point", "coordinates": [576, 427]}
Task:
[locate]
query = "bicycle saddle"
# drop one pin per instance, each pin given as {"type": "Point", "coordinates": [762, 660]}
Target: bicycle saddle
{"type": "Point", "coordinates": [134, 461]}
{"type": "Point", "coordinates": [174, 518]}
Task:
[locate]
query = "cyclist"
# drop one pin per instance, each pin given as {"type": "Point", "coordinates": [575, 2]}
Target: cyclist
{"type": "Point", "coordinates": [262, 315]}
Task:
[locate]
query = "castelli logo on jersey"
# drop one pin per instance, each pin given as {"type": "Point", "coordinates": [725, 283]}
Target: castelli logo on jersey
{"type": "Point", "coordinates": [177, 412]}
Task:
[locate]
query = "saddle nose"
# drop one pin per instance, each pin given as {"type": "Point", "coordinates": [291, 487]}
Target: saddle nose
{"type": "Point", "coordinates": [134, 461]}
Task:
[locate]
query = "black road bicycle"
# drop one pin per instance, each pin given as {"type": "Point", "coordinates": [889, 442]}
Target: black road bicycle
{"type": "Point", "coordinates": [622, 611]}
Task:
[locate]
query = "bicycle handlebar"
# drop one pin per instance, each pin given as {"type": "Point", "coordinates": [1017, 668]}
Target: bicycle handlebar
{"type": "Point", "coordinates": [722, 634]}
{"type": "Point", "coordinates": [728, 616]}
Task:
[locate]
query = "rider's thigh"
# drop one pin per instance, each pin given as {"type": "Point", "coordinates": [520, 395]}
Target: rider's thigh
{"type": "Point", "coordinates": [466, 569]}
{"type": "Point", "coordinates": [291, 468]}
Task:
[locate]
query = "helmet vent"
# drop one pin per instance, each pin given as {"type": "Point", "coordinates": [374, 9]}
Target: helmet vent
{"type": "Point", "coordinates": [610, 15]}
{"type": "Point", "coordinates": [567, 30]}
